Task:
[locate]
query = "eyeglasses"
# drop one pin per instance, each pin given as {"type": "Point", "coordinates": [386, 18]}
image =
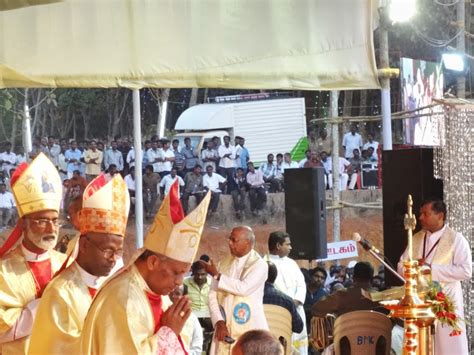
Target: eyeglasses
{"type": "Point", "coordinates": [44, 222]}
{"type": "Point", "coordinates": [108, 253]}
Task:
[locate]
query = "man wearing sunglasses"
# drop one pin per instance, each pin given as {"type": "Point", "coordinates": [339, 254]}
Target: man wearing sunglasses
{"type": "Point", "coordinates": [102, 222]}
{"type": "Point", "coordinates": [27, 259]}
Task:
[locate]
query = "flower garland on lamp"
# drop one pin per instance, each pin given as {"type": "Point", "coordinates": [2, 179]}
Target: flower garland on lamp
{"type": "Point", "coordinates": [444, 308]}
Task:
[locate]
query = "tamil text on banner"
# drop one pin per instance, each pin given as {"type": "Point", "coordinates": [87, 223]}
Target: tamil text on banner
{"type": "Point", "coordinates": [342, 250]}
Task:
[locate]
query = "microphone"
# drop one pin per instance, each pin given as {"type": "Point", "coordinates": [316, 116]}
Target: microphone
{"type": "Point", "coordinates": [364, 243]}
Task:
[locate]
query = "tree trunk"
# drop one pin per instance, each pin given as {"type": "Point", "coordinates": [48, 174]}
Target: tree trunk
{"type": "Point", "coordinates": [13, 135]}
{"type": "Point", "coordinates": [161, 113]}
{"type": "Point", "coordinates": [194, 97]}
{"type": "Point", "coordinates": [363, 103]}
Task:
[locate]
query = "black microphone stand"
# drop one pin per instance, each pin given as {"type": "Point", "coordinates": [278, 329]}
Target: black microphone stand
{"type": "Point", "coordinates": [384, 263]}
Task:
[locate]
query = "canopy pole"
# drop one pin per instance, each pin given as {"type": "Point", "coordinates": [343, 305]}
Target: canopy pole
{"type": "Point", "coordinates": [385, 83]}
{"type": "Point", "coordinates": [137, 143]}
{"type": "Point", "coordinates": [27, 146]}
{"type": "Point", "coordinates": [336, 189]}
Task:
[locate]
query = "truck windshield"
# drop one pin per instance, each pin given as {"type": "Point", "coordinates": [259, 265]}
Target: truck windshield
{"type": "Point", "coordinates": [194, 140]}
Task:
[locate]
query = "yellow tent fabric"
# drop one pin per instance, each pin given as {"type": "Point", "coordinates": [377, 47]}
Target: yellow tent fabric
{"type": "Point", "coordinates": [254, 44]}
{"type": "Point", "coordinates": [15, 4]}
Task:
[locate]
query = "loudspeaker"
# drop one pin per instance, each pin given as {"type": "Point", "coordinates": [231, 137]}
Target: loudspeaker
{"type": "Point", "coordinates": [305, 211]}
{"type": "Point", "coordinates": [404, 172]}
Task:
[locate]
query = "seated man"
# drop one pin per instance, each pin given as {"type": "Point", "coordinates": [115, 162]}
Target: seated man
{"type": "Point", "coordinates": [150, 190]}
{"type": "Point", "coordinates": [238, 190]}
{"type": "Point", "coordinates": [130, 182]}
{"type": "Point", "coordinates": [193, 187]}
{"type": "Point", "coordinates": [315, 290]}
{"type": "Point", "coordinates": [269, 173]}
{"type": "Point", "coordinates": [354, 172]}
{"type": "Point", "coordinates": [349, 299]}
{"type": "Point", "coordinates": [168, 180]}
{"type": "Point", "coordinates": [213, 181]}
{"type": "Point", "coordinates": [198, 286]}
{"type": "Point", "coordinates": [273, 296]}
{"type": "Point", "coordinates": [257, 193]}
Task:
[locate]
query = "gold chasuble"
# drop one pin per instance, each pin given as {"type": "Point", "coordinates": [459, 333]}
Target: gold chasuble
{"type": "Point", "coordinates": [63, 308]}
{"type": "Point", "coordinates": [120, 320]}
{"type": "Point", "coordinates": [36, 187]}
{"type": "Point", "coordinates": [17, 289]}
{"type": "Point", "coordinates": [62, 311]}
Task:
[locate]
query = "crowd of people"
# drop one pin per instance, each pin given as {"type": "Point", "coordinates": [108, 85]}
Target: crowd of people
{"type": "Point", "coordinates": [221, 167]}
{"type": "Point", "coordinates": [89, 302]}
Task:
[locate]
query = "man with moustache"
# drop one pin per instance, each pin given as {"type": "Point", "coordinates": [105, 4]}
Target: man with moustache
{"type": "Point", "coordinates": [129, 315]}
{"type": "Point", "coordinates": [102, 222]}
{"type": "Point", "coordinates": [26, 269]}
{"type": "Point", "coordinates": [289, 280]}
{"type": "Point", "coordinates": [448, 255]}
{"type": "Point", "coordinates": [236, 296]}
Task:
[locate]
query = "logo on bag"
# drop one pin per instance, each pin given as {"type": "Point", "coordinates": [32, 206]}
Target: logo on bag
{"type": "Point", "coordinates": [241, 313]}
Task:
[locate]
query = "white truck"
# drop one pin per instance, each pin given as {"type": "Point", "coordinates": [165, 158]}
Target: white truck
{"type": "Point", "coordinates": [268, 126]}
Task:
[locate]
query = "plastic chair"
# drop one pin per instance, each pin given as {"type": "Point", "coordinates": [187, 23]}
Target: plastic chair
{"type": "Point", "coordinates": [321, 335]}
{"type": "Point", "coordinates": [279, 323]}
{"type": "Point", "coordinates": [362, 332]}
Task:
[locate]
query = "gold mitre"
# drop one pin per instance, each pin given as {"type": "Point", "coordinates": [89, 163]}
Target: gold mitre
{"type": "Point", "coordinates": [37, 186]}
{"type": "Point", "coordinates": [172, 235]}
{"type": "Point", "coordinates": [105, 206]}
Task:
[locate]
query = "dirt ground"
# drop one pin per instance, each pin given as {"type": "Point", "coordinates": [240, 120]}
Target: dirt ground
{"type": "Point", "coordinates": [214, 239]}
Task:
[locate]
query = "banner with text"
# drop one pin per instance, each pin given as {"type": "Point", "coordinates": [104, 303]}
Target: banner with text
{"type": "Point", "coordinates": [341, 250]}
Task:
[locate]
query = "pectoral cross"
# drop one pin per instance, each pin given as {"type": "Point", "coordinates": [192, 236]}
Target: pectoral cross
{"type": "Point", "coordinates": [410, 223]}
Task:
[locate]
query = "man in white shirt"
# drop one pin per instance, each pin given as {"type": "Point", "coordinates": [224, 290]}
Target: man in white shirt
{"type": "Point", "coordinates": [352, 140]}
{"type": "Point", "coordinates": [344, 166]}
{"type": "Point", "coordinates": [287, 163]}
{"type": "Point", "coordinates": [373, 144]}
{"type": "Point", "coordinates": [448, 254]}
{"type": "Point", "coordinates": [236, 296]}
{"type": "Point", "coordinates": [7, 204]}
{"type": "Point", "coordinates": [168, 180]}
{"type": "Point", "coordinates": [153, 154]}
{"type": "Point", "coordinates": [62, 163]}
{"type": "Point", "coordinates": [209, 156]}
{"type": "Point", "coordinates": [290, 281]}
{"type": "Point", "coordinates": [8, 159]}
{"type": "Point", "coordinates": [52, 150]}
{"type": "Point", "coordinates": [307, 157]}
{"type": "Point", "coordinates": [212, 181]}
{"type": "Point", "coordinates": [130, 182]}
{"type": "Point", "coordinates": [164, 162]}
{"type": "Point", "coordinates": [257, 192]}
{"type": "Point", "coordinates": [227, 157]}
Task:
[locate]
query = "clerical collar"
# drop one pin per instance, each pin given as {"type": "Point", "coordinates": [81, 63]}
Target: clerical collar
{"type": "Point", "coordinates": [31, 256]}
{"type": "Point", "coordinates": [274, 256]}
{"type": "Point", "coordinates": [436, 235]}
{"type": "Point", "coordinates": [90, 280]}
{"type": "Point", "coordinates": [243, 259]}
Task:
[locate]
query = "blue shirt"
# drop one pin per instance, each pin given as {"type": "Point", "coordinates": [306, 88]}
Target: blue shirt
{"type": "Point", "coordinates": [244, 158]}
{"type": "Point", "coordinates": [73, 154]}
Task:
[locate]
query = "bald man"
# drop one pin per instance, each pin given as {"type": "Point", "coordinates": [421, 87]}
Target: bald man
{"type": "Point", "coordinates": [236, 295]}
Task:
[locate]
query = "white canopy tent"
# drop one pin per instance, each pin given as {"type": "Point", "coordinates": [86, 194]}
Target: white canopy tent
{"type": "Point", "coordinates": [248, 44]}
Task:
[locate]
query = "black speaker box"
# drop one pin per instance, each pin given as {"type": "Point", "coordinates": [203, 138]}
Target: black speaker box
{"type": "Point", "coordinates": [305, 210]}
{"type": "Point", "coordinates": [404, 172]}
